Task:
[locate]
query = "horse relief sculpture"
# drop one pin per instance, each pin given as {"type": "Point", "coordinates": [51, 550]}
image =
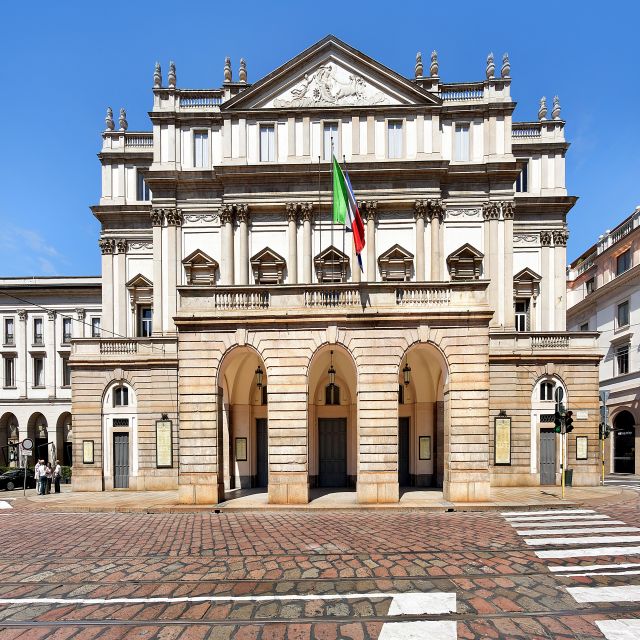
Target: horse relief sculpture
{"type": "Point", "coordinates": [323, 89]}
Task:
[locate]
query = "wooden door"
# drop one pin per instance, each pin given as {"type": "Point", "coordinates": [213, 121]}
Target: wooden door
{"type": "Point", "coordinates": [332, 441]}
{"type": "Point", "coordinates": [262, 452]}
{"type": "Point", "coordinates": [404, 477]}
{"type": "Point", "coordinates": [547, 456]}
{"type": "Point", "coordinates": [120, 460]}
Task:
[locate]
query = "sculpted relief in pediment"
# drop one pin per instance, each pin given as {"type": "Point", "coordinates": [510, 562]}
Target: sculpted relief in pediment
{"type": "Point", "coordinates": [331, 85]}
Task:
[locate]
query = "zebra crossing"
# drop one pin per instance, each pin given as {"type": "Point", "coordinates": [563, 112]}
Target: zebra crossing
{"type": "Point", "coordinates": [573, 534]}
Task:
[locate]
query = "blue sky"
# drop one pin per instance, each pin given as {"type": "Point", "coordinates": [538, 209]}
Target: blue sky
{"type": "Point", "coordinates": [63, 63]}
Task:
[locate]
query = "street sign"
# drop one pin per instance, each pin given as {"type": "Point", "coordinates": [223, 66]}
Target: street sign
{"type": "Point", "coordinates": [604, 396]}
{"type": "Point", "coordinates": [27, 444]}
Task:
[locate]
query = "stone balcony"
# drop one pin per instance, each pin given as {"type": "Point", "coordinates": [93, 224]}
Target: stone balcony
{"type": "Point", "coordinates": [114, 350]}
{"type": "Point", "coordinates": [542, 344]}
{"type": "Point", "coordinates": [361, 299]}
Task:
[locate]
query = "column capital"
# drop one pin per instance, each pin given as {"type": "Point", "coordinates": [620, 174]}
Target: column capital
{"type": "Point", "coordinates": [545, 238]}
{"type": "Point", "coordinates": [157, 217]}
{"type": "Point", "coordinates": [291, 211]}
{"type": "Point", "coordinates": [226, 214]}
{"type": "Point", "coordinates": [368, 209]}
{"type": "Point", "coordinates": [435, 209]}
{"type": "Point", "coordinates": [491, 210]}
{"type": "Point", "coordinates": [508, 209]}
{"type": "Point", "coordinates": [419, 209]}
{"type": "Point", "coordinates": [121, 245]}
{"type": "Point", "coordinates": [306, 211]}
{"type": "Point", "coordinates": [80, 312]}
{"type": "Point", "coordinates": [242, 213]}
{"type": "Point", "coordinates": [22, 315]}
{"type": "Point", "coordinates": [174, 217]}
{"type": "Point", "coordinates": [107, 245]}
{"type": "Point", "coordinates": [52, 315]}
{"type": "Point", "coordinates": [560, 237]}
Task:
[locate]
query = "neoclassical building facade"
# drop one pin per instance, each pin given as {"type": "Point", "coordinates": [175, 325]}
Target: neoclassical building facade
{"type": "Point", "coordinates": [248, 349]}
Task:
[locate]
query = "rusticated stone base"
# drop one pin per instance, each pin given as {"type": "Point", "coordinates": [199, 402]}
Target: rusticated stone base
{"type": "Point", "coordinates": [381, 487]}
{"type": "Point", "coordinates": [472, 486]}
{"type": "Point", "coordinates": [288, 488]}
{"type": "Point", "coordinates": [195, 488]}
{"type": "Point", "coordinates": [86, 482]}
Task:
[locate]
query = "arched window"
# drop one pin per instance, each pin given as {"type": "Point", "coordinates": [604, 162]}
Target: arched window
{"type": "Point", "coordinates": [546, 390]}
{"type": "Point", "coordinates": [332, 394]}
{"type": "Point", "coordinates": [121, 396]}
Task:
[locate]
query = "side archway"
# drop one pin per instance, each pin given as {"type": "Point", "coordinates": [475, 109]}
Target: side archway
{"type": "Point", "coordinates": [9, 437]}
{"type": "Point", "coordinates": [38, 430]}
{"type": "Point", "coordinates": [64, 437]}
{"type": "Point", "coordinates": [624, 442]}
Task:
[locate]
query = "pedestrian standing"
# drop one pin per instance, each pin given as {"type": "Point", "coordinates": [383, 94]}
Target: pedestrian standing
{"type": "Point", "coordinates": [43, 478]}
{"type": "Point", "coordinates": [48, 473]}
{"type": "Point", "coordinates": [57, 475]}
{"type": "Point", "coordinates": [36, 474]}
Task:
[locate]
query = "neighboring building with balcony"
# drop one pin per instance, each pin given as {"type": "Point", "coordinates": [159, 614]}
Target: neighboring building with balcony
{"type": "Point", "coordinates": [604, 295]}
{"type": "Point", "coordinates": [258, 353]}
{"type": "Point", "coordinates": [39, 318]}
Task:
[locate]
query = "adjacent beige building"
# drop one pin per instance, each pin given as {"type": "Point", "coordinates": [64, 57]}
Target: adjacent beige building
{"type": "Point", "coordinates": [249, 350]}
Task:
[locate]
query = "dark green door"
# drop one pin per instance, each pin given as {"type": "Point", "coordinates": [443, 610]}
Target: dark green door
{"type": "Point", "coordinates": [547, 456]}
{"type": "Point", "coordinates": [120, 460]}
{"type": "Point", "coordinates": [262, 452]}
{"type": "Point", "coordinates": [332, 440]}
{"type": "Point", "coordinates": [403, 452]}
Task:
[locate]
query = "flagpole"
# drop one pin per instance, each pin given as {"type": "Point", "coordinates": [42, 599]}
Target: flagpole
{"type": "Point", "coordinates": [332, 205]}
{"type": "Point", "coordinates": [344, 226]}
{"type": "Point", "coordinates": [319, 218]}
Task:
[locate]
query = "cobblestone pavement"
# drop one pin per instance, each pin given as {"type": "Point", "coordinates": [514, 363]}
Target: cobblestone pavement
{"type": "Point", "coordinates": [567, 573]}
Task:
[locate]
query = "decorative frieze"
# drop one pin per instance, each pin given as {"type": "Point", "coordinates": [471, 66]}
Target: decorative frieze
{"type": "Point", "coordinates": [107, 245]}
{"type": "Point", "coordinates": [525, 238]}
{"type": "Point", "coordinates": [140, 246]}
{"type": "Point", "coordinates": [200, 218]}
{"type": "Point", "coordinates": [467, 213]}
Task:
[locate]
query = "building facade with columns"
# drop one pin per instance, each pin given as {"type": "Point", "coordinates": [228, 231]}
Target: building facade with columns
{"type": "Point", "coordinates": [39, 318]}
{"type": "Point", "coordinates": [258, 354]}
{"type": "Point", "coordinates": [604, 296]}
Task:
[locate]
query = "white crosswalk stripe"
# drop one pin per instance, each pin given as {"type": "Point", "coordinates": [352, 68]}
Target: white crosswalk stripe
{"type": "Point", "coordinates": [620, 629]}
{"type": "Point", "coordinates": [581, 540]}
{"type": "Point", "coordinates": [566, 523]}
{"type": "Point", "coordinates": [624, 593]}
{"type": "Point", "coordinates": [593, 567]}
{"type": "Point", "coordinates": [570, 531]}
{"type": "Point", "coordinates": [588, 552]}
{"type": "Point", "coordinates": [551, 512]}
{"type": "Point", "coordinates": [520, 519]}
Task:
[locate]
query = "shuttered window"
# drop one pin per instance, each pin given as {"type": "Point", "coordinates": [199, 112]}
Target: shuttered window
{"type": "Point", "coordinates": [394, 139]}
{"type": "Point", "coordinates": [461, 139]}
{"type": "Point", "coordinates": [201, 148]}
{"type": "Point", "coordinates": [267, 143]}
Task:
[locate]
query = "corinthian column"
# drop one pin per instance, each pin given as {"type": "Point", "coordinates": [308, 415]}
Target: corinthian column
{"type": "Point", "coordinates": [419, 212]}
{"type": "Point", "coordinates": [560, 237]}
{"type": "Point", "coordinates": [243, 227]}
{"type": "Point", "coordinates": [306, 210]}
{"type": "Point", "coordinates": [435, 210]}
{"type": "Point", "coordinates": [292, 219]}
{"type": "Point", "coordinates": [107, 247]}
{"type": "Point", "coordinates": [491, 212]}
{"type": "Point", "coordinates": [174, 220]}
{"type": "Point", "coordinates": [369, 209]}
{"type": "Point", "coordinates": [547, 284]}
{"type": "Point", "coordinates": [227, 258]}
{"type": "Point", "coordinates": [508, 209]}
{"type": "Point", "coordinates": [157, 220]}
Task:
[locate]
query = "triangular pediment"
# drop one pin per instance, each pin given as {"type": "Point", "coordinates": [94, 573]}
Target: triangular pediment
{"type": "Point", "coordinates": [139, 282]}
{"type": "Point", "coordinates": [527, 274]}
{"type": "Point", "coordinates": [466, 251]}
{"type": "Point", "coordinates": [267, 255]}
{"type": "Point", "coordinates": [331, 253]}
{"type": "Point", "coordinates": [199, 257]}
{"type": "Point", "coordinates": [396, 252]}
{"type": "Point", "coordinates": [331, 74]}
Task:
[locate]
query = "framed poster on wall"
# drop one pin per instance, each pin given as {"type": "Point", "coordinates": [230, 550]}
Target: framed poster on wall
{"type": "Point", "coordinates": [502, 448]}
{"type": "Point", "coordinates": [87, 451]}
{"type": "Point", "coordinates": [164, 444]}
{"type": "Point", "coordinates": [582, 443]}
{"type": "Point", "coordinates": [241, 449]}
{"type": "Point", "coordinates": [425, 448]}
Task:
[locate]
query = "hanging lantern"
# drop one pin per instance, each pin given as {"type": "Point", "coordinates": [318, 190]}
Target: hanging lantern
{"type": "Point", "coordinates": [259, 377]}
{"type": "Point", "coordinates": [406, 372]}
{"type": "Point", "coordinates": [332, 372]}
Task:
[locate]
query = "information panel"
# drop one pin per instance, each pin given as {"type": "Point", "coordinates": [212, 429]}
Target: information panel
{"type": "Point", "coordinates": [164, 445]}
{"type": "Point", "coordinates": [502, 440]}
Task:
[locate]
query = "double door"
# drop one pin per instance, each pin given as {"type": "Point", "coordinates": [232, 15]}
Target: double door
{"type": "Point", "coordinates": [332, 444]}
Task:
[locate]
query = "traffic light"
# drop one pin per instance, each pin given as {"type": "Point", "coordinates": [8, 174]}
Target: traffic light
{"type": "Point", "coordinates": [568, 421]}
{"type": "Point", "coordinates": [557, 421]}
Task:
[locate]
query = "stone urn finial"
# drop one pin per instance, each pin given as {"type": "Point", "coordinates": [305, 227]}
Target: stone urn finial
{"type": "Point", "coordinates": [171, 78]}
{"type": "Point", "coordinates": [505, 71]}
{"type": "Point", "coordinates": [122, 121]}
{"type": "Point", "coordinates": [242, 75]}
{"type": "Point", "coordinates": [157, 76]}
{"type": "Point", "coordinates": [542, 111]}
{"type": "Point", "coordinates": [434, 68]}
{"type": "Point", "coordinates": [491, 67]}
{"type": "Point", "coordinates": [227, 69]}
{"type": "Point", "coordinates": [555, 111]}
{"type": "Point", "coordinates": [419, 69]}
{"type": "Point", "coordinates": [109, 119]}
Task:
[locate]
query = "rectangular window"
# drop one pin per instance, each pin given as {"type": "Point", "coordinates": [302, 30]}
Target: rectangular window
{"type": "Point", "coordinates": [267, 143]}
{"type": "Point", "coordinates": [590, 285]}
{"type": "Point", "coordinates": [37, 331]}
{"type": "Point", "coordinates": [330, 141]}
{"type": "Point", "coordinates": [522, 181]}
{"type": "Point", "coordinates": [394, 139]}
{"type": "Point", "coordinates": [142, 190]}
{"type": "Point", "coordinates": [201, 148]}
{"type": "Point", "coordinates": [623, 262]}
{"type": "Point", "coordinates": [622, 360]}
{"type": "Point", "coordinates": [144, 321]}
{"type": "Point", "coordinates": [95, 327]}
{"type": "Point", "coordinates": [38, 372]}
{"type": "Point", "coordinates": [521, 307]}
{"type": "Point", "coordinates": [9, 372]}
{"type": "Point", "coordinates": [584, 327]}
{"type": "Point", "coordinates": [461, 137]}
{"type": "Point", "coordinates": [66, 373]}
{"type": "Point", "coordinates": [66, 330]}
{"type": "Point", "coordinates": [622, 314]}
{"type": "Point", "coordinates": [9, 334]}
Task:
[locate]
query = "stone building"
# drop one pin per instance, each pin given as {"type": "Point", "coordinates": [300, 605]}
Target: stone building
{"type": "Point", "coordinates": [604, 296]}
{"type": "Point", "coordinates": [40, 317]}
{"type": "Point", "coordinates": [257, 352]}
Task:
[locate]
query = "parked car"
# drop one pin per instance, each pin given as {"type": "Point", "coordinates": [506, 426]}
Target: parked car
{"type": "Point", "coordinates": [14, 479]}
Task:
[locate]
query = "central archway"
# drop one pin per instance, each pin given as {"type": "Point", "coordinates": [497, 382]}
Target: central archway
{"type": "Point", "coordinates": [333, 437]}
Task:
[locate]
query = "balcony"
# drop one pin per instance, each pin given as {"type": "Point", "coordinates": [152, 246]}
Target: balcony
{"type": "Point", "coordinates": [462, 92]}
{"type": "Point", "coordinates": [364, 298]}
{"type": "Point", "coordinates": [122, 349]}
{"type": "Point", "coordinates": [515, 344]}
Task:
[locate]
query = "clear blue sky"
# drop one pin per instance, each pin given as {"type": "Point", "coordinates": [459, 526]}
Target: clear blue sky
{"type": "Point", "coordinates": [63, 63]}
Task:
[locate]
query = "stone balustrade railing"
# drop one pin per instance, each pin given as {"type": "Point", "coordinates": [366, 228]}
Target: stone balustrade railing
{"type": "Point", "coordinates": [138, 140]}
{"type": "Point", "coordinates": [200, 100]}
{"type": "Point", "coordinates": [516, 342]}
{"type": "Point", "coordinates": [526, 130]}
{"type": "Point", "coordinates": [123, 348]}
{"type": "Point", "coordinates": [611, 237]}
{"type": "Point", "coordinates": [365, 296]}
{"type": "Point", "coordinates": [586, 264]}
{"type": "Point", "coordinates": [108, 347]}
{"type": "Point", "coordinates": [462, 92]}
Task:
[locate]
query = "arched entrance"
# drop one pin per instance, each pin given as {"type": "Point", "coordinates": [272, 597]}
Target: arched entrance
{"type": "Point", "coordinates": [421, 417]}
{"type": "Point", "coordinates": [333, 437]}
{"type": "Point", "coordinates": [242, 391]}
{"type": "Point", "coordinates": [63, 440]}
{"type": "Point", "coordinates": [9, 436]}
{"type": "Point", "coordinates": [624, 443]}
{"type": "Point", "coordinates": [37, 429]}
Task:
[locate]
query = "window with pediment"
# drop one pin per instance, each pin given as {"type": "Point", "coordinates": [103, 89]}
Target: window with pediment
{"type": "Point", "coordinates": [268, 267]}
{"type": "Point", "coordinates": [396, 264]}
{"type": "Point", "coordinates": [465, 263]}
{"type": "Point", "coordinates": [200, 268]}
{"type": "Point", "coordinates": [331, 265]}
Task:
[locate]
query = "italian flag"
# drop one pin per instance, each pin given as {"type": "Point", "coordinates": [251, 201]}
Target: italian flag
{"type": "Point", "coordinates": [345, 208]}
